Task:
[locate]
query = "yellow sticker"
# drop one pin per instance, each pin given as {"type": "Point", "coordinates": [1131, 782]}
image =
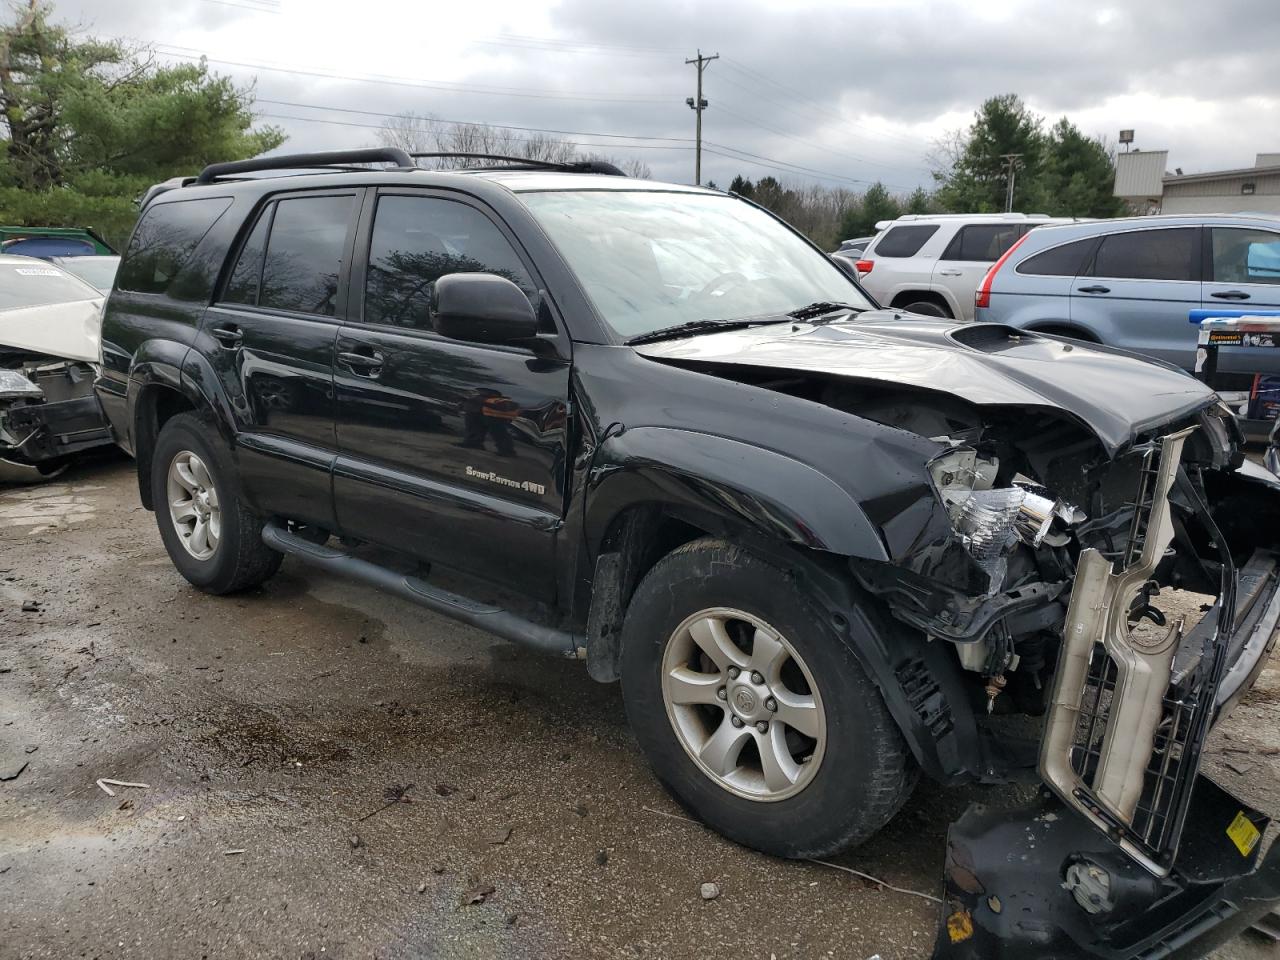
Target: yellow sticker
{"type": "Point", "coordinates": [1243, 834]}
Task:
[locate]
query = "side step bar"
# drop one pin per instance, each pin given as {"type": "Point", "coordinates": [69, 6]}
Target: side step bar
{"type": "Point", "coordinates": [495, 620]}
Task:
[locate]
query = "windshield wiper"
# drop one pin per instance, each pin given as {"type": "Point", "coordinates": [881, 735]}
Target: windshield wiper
{"type": "Point", "coordinates": [693, 327]}
{"type": "Point", "coordinates": [821, 307]}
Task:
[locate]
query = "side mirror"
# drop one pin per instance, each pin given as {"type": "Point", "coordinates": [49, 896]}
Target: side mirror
{"type": "Point", "coordinates": [482, 307]}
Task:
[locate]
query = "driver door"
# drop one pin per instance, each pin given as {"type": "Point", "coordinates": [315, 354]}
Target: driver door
{"type": "Point", "coordinates": [453, 452]}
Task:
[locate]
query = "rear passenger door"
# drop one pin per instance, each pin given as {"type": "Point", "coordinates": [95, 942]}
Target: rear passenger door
{"type": "Point", "coordinates": [1138, 292]}
{"type": "Point", "coordinates": [271, 335]}
{"type": "Point", "coordinates": [449, 450]}
{"type": "Point", "coordinates": [1242, 272]}
{"type": "Point", "coordinates": [968, 257]}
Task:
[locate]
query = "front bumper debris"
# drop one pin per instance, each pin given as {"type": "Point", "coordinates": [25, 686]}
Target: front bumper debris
{"type": "Point", "coordinates": [1041, 882]}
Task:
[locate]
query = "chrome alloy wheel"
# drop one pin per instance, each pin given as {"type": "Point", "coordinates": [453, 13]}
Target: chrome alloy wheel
{"type": "Point", "coordinates": [743, 704]}
{"type": "Point", "coordinates": [193, 505]}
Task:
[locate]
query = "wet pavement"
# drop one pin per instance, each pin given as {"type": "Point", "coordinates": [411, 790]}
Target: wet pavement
{"type": "Point", "coordinates": [275, 731]}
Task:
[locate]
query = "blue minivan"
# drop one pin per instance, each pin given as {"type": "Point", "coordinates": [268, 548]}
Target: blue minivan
{"type": "Point", "coordinates": [1132, 283]}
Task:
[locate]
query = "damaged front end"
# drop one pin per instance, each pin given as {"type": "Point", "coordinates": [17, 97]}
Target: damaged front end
{"type": "Point", "coordinates": [48, 414]}
{"type": "Point", "coordinates": [1130, 852]}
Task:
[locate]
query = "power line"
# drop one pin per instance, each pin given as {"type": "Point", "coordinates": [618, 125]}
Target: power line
{"type": "Point", "coordinates": [501, 126]}
{"type": "Point", "coordinates": [407, 82]}
{"type": "Point", "coordinates": [787, 167]}
{"type": "Point", "coordinates": [381, 126]}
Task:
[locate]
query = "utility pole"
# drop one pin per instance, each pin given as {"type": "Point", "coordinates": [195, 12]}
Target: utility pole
{"type": "Point", "coordinates": [697, 105]}
{"type": "Point", "coordinates": [1012, 161]}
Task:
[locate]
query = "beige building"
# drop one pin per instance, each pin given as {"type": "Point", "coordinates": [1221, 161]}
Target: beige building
{"type": "Point", "coordinates": [1143, 179]}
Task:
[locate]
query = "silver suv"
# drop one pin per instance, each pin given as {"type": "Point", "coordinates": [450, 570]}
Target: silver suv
{"type": "Point", "coordinates": [930, 264]}
{"type": "Point", "coordinates": [1134, 283]}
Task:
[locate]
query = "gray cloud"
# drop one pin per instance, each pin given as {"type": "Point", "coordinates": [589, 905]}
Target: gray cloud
{"type": "Point", "coordinates": [854, 92]}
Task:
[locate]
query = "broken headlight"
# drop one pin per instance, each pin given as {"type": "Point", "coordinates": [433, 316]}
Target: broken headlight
{"type": "Point", "coordinates": [14, 385]}
{"type": "Point", "coordinates": [991, 521]}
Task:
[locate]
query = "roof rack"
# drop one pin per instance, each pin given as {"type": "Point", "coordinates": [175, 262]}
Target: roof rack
{"type": "Point", "coordinates": [291, 161]}
{"type": "Point", "coordinates": [576, 166]}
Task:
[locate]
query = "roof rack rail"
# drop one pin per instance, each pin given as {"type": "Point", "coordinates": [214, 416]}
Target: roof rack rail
{"type": "Point", "coordinates": [290, 161]}
{"type": "Point", "coordinates": [575, 166]}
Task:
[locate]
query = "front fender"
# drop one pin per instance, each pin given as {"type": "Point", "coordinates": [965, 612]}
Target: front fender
{"type": "Point", "coordinates": [745, 486]}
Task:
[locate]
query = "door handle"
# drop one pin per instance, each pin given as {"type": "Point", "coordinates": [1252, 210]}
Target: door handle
{"type": "Point", "coordinates": [1095, 289]}
{"type": "Point", "coordinates": [950, 273]}
{"type": "Point", "coordinates": [229, 335]}
{"type": "Point", "coordinates": [1231, 295]}
{"type": "Point", "coordinates": [368, 363]}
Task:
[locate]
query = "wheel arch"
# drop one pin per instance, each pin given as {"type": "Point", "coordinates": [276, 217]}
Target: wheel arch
{"type": "Point", "coordinates": [1064, 328]}
{"type": "Point", "coordinates": [939, 295]}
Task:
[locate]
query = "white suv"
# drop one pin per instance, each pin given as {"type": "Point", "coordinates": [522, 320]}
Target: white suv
{"type": "Point", "coordinates": [932, 263]}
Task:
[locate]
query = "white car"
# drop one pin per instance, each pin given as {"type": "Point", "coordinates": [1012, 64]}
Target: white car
{"type": "Point", "coordinates": [932, 263]}
{"type": "Point", "coordinates": [50, 332]}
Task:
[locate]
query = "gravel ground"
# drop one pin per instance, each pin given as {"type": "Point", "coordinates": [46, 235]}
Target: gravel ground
{"type": "Point", "coordinates": [271, 727]}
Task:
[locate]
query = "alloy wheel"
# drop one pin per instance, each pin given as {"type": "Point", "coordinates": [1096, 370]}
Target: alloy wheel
{"type": "Point", "coordinates": [193, 505]}
{"type": "Point", "coordinates": [743, 704]}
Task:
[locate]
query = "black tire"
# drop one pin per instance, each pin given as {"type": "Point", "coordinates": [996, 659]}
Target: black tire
{"type": "Point", "coordinates": [866, 772]}
{"type": "Point", "coordinates": [927, 308]}
{"type": "Point", "coordinates": [240, 560]}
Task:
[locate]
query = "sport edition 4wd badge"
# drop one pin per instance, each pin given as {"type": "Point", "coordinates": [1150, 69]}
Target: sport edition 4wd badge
{"type": "Point", "coordinates": [525, 485]}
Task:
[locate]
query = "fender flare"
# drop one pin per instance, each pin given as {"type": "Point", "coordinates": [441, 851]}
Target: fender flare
{"type": "Point", "coordinates": [746, 487]}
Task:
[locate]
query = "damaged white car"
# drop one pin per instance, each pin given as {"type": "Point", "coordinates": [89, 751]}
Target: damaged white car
{"type": "Point", "coordinates": [50, 329]}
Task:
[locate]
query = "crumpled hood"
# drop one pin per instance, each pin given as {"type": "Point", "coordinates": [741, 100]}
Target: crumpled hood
{"type": "Point", "coordinates": [1116, 394]}
{"type": "Point", "coordinates": [69, 331]}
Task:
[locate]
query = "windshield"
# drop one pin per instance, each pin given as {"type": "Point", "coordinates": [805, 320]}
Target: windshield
{"type": "Point", "coordinates": [36, 284]}
{"type": "Point", "coordinates": [651, 260]}
{"type": "Point", "coordinates": [98, 272]}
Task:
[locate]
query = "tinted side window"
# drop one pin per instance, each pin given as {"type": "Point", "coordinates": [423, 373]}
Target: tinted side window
{"type": "Point", "coordinates": [1245, 256]}
{"type": "Point", "coordinates": [416, 241]}
{"type": "Point", "coordinates": [904, 241]}
{"type": "Point", "coordinates": [982, 243]}
{"type": "Point", "coordinates": [304, 254]}
{"type": "Point", "coordinates": [164, 240]}
{"type": "Point", "coordinates": [243, 285]}
{"type": "Point", "coordinates": [1147, 255]}
{"type": "Point", "coordinates": [1064, 261]}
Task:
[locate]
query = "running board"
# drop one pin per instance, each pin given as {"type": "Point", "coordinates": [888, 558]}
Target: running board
{"type": "Point", "coordinates": [495, 620]}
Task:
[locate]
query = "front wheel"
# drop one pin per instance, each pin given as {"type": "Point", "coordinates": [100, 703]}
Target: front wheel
{"type": "Point", "coordinates": [752, 711]}
{"type": "Point", "coordinates": [213, 539]}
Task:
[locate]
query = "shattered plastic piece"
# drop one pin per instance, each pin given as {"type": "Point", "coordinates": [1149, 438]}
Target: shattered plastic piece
{"type": "Point", "coordinates": [120, 783]}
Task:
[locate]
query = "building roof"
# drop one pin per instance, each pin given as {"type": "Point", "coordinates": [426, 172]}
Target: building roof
{"type": "Point", "coordinates": [1222, 174]}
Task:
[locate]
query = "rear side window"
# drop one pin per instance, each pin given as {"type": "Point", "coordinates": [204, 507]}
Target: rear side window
{"type": "Point", "coordinates": [982, 242]}
{"type": "Point", "coordinates": [1064, 261]}
{"type": "Point", "coordinates": [242, 287]}
{"type": "Point", "coordinates": [1245, 256]}
{"type": "Point", "coordinates": [304, 254]}
{"type": "Point", "coordinates": [164, 240]}
{"type": "Point", "coordinates": [1147, 255]}
{"type": "Point", "coordinates": [905, 241]}
{"type": "Point", "coordinates": [416, 241]}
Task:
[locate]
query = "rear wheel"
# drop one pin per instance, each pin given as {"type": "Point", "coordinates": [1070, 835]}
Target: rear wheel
{"type": "Point", "coordinates": [752, 712]}
{"type": "Point", "coordinates": [213, 539]}
{"type": "Point", "coordinates": [927, 308]}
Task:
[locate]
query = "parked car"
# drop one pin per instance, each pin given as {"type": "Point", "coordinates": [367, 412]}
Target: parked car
{"type": "Point", "coordinates": [931, 264]}
{"type": "Point", "coordinates": [97, 271]}
{"type": "Point", "coordinates": [822, 546]}
{"type": "Point", "coordinates": [49, 348]}
{"type": "Point", "coordinates": [46, 242]}
{"type": "Point", "coordinates": [846, 256]}
{"type": "Point", "coordinates": [1133, 283]}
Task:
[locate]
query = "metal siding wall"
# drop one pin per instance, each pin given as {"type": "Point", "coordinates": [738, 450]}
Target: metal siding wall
{"type": "Point", "coordinates": [1183, 204]}
{"type": "Point", "coordinates": [1140, 174]}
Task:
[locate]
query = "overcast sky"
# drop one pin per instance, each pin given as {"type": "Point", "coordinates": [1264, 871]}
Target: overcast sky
{"type": "Point", "coordinates": [842, 93]}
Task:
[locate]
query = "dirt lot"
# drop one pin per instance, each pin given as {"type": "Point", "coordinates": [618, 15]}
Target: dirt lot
{"type": "Point", "coordinates": [270, 726]}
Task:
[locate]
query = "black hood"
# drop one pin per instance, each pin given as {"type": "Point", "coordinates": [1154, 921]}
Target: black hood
{"type": "Point", "coordinates": [1116, 394]}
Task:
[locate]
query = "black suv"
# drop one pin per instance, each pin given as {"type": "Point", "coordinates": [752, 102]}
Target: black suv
{"type": "Point", "coordinates": [823, 545]}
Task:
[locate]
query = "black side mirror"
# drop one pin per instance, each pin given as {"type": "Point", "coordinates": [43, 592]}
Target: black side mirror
{"type": "Point", "coordinates": [482, 307]}
{"type": "Point", "coordinates": [848, 268]}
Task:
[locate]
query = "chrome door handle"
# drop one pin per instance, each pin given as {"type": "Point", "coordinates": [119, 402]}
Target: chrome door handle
{"type": "Point", "coordinates": [950, 273]}
{"type": "Point", "coordinates": [229, 335]}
